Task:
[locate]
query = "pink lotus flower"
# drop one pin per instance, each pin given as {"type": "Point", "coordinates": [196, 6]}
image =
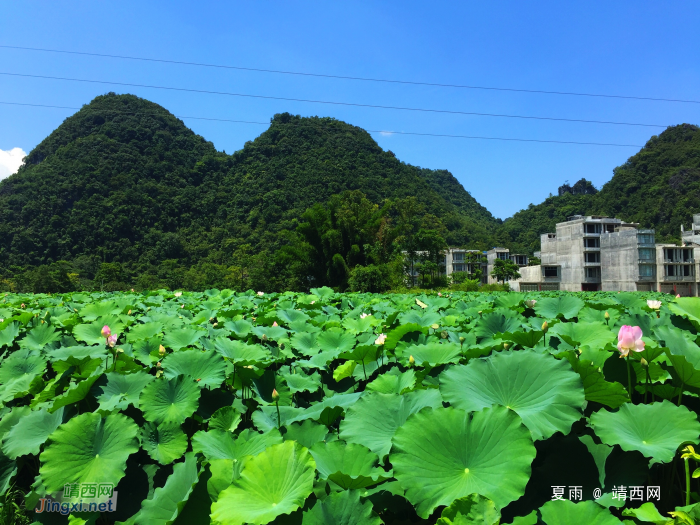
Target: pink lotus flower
{"type": "Point", "coordinates": [106, 332]}
{"type": "Point", "coordinates": [275, 324]}
{"type": "Point", "coordinates": [629, 338]}
{"type": "Point", "coordinates": [380, 340]}
{"type": "Point", "coordinates": [439, 294]}
{"type": "Point", "coordinates": [678, 296]}
{"type": "Point", "coordinates": [112, 340]}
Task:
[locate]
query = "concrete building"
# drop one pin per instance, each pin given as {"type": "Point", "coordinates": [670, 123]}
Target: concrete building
{"type": "Point", "coordinates": [692, 236]}
{"type": "Point", "coordinates": [601, 253]}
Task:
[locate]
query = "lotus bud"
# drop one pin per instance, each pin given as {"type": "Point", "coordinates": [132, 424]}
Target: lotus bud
{"type": "Point", "coordinates": [161, 350]}
{"type": "Point", "coordinates": [182, 306]}
{"type": "Point", "coordinates": [22, 306]}
{"type": "Point", "coordinates": [128, 313]}
{"type": "Point", "coordinates": [644, 362]}
{"type": "Point", "coordinates": [275, 394]}
{"type": "Point", "coordinates": [461, 339]}
{"type": "Point", "coordinates": [158, 364]}
{"type": "Point", "coordinates": [678, 296]}
{"type": "Point", "coordinates": [112, 340]}
{"type": "Point", "coordinates": [607, 316]}
{"type": "Point", "coordinates": [2, 320]}
{"type": "Point", "coordinates": [545, 327]}
{"type": "Point", "coordinates": [264, 337]}
{"type": "Point", "coordinates": [211, 319]}
{"type": "Point", "coordinates": [215, 325]}
{"type": "Point", "coordinates": [411, 360]}
{"type": "Point", "coordinates": [275, 324]}
{"type": "Point", "coordinates": [506, 346]}
{"type": "Point", "coordinates": [106, 332]}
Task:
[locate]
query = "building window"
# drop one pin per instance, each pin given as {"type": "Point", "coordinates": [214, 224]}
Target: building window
{"type": "Point", "coordinates": [457, 267]}
{"type": "Point", "coordinates": [645, 238]}
{"type": "Point", "coordinates": [592, 273]}
{"type": "Point", "coordinates": [592, 257]}
{"type": "Point", "coordinates": [592, 243]}
{"type": "Point", "coordinates": [647, 254]}
{"type": "Point", "coordinates": [551, 271]}
{"type": "Point", "coordinates": [671, 270]}
{"type": "Point", "coordinates": [593, 228]}
{"type": "Point", "coordinates": [458, 256]}
{"type": "Point", "coordinates": [647, 270]}
{"type": "Point", "coordinates": [687, 255]}
{"type": "Point", "coordinates": [687, 270]}
{"type": "Point", "coordinates": [504, 256]}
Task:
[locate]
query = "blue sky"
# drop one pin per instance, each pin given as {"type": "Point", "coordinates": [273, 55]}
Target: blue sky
{"type": "Point", "coordinates": [639, 48]}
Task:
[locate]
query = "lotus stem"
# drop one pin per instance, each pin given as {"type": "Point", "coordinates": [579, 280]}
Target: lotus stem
{"type": "Point", "coordinates": [279, 425]}
{"type": "Point", "coordinates": [680, 394]}
{"type": "Point", "coordinates": [363, 369]}
{"type": "Point", "coordinates": [629, 377]}
{"type": "Point", "coordinates": [687, 482]}
{"type": "Point", "coordinates": [646, 385]}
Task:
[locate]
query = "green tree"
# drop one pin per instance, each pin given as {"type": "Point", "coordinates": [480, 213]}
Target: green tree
{"type": "Point", "coordinates": [505, 270]}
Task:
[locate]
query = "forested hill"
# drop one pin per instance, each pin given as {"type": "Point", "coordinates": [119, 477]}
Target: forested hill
{"type": "Point", "coordinates": [124, 183]}
{"type": "Point", "coordinates": [658, 187]}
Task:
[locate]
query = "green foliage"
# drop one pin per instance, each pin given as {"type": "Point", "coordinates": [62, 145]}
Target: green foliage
{"type": "Point", "coordinates": [505, 270]}
{"type": "Point", "coordinates": [123, 195]}
{"type": "Point", "coordinates": [468, 411]}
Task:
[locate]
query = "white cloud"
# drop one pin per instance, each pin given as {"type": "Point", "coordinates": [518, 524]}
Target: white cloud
{"type": "Point", "coordinates": [10, 161]}
{"type": "Point", "coordinates": [386, 133]}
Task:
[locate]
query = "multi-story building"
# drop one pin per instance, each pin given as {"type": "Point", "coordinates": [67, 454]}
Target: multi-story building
{"type": "Point", "coordinates": [601, 253]}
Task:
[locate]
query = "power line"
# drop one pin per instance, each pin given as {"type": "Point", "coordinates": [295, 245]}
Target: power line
{"type": "Point", "coordinates": [327, 128]}
{"type": "Point", "coordinates": [335, 103]}
{"type": "Point", "coordinates": [345, 77]}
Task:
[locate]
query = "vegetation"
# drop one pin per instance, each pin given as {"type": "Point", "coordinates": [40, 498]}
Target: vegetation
{"type": "Point", "coordinates": [351, 408]}
{"type": "Point", "coordinates": [124, 183]}
{"type": "Point", "coordinates": [505, 270]}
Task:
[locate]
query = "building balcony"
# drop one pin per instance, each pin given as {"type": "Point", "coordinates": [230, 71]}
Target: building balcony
{"type": "Point", "coordinates": [647, 278]}
{"type": "Point", "coordinates": [688, 261]}
{"type": "Point", "coordinates": [647, 261]}
{"type": "Point", "coordinates": [591, 264]}
{"type": "Point", "coordinates": [678, 278]}
{"type": "Point", "coordinates": [591, 280]}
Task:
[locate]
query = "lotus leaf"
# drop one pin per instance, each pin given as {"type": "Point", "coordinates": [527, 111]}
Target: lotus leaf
{"type": "Point", "coordinates": [487, 452]}
{"type": "Point", "coordinates": [275, 482]}
{"type": "Point", "coordinates": [545, 392]}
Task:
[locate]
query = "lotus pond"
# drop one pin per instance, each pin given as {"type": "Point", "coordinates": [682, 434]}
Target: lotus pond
{"type": "Point", "coordinates": [327, 408]}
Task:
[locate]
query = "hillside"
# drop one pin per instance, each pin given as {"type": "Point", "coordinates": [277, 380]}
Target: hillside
{"type": "Point", "coordinates": [124, 183]}
{"type": "Point", "coordinates": [659, 187]}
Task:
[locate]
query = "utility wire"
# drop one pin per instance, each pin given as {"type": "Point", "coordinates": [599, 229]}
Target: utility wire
{"type": "Point", "coordinates": [327, 128]}
{"type": "Point", "coordinates": [335, 103]}
{"type": "Point", "coordinates": [344, 77]}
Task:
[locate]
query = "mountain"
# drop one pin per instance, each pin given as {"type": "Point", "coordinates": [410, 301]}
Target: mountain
{"type": "Point", "coordinates": [125, 187]}
{"type": "Point", "coordinates": [658, 187]}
